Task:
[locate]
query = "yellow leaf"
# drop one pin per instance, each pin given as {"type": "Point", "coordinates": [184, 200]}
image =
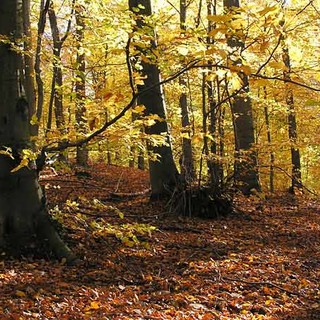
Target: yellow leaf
{"type": "Point", "coordinates": [268, 10]}
{"type": "Point", "coordinates": [246, 70]}
{"type": "Point", "coordinates": [20, 294]}
{"type": "Point", "coordinates": [235, 82]}
{"type": "Point", "coordinates": [95, 305]}
{"type": "Point", "coordinates": [148, 277]}
{"type": "Point", "coordinates": [34, 120]}
{"type": "Point", "coordinates": [139, 108]}
{"type": "Point", "coordinates": [149, 122]}
{"type": "Point", "coordinates": [185, 135]}
{"type": "Point", "coordinates": [6, 153]}
{"type": "Point", "coordinates": [23, 163]}
{"type": "Point", "coordinates": [237, 24]}
{"type": "Point", "coordinates": [219, 18]}
{"type": "Point", "coordinates": [277, 65]}
{"type": "Point", "coordinates": [260, 82]}
{"type": "Point", "coordinates": [183, 50]}
{"type": "Point", "coordinates": [268, 302]}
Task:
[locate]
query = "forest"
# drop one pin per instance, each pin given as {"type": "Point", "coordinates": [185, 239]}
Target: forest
{"type": "Point", "coordinates": [159, 159]}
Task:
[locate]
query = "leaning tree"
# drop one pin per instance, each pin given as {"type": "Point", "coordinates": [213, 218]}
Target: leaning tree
{"type": "Point", "coordinates": [24, 220]}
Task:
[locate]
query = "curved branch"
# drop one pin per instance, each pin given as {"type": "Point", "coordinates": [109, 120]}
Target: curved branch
{"type": "Point", "coordinates": [64, 145]}
{"type": "Point", "coordinates": [257, 75]}
{"type": "Point", "coordinates": [286, 81]}
{"type": "Point", "coordinates": [271, 55]}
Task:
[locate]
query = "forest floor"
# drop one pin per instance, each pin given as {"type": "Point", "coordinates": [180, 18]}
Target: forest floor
{"type": "Point", "coordinates": [138, 262]}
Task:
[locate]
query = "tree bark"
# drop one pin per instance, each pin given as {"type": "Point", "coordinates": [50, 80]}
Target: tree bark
{"type": "Point", "coordinates": [82, 151]}
{"type": "Point", "coordinates": [269, 140]}
{"type": "Point", "coordinates": [44, 7]}
{"type": "Point", "coordinates": [296, 181]}
{"type": "Point", "coordinates": [163, 171]}
{"type": "Point", "coordinates": [245, 168]}
{"type": "Point", "coordinates": [23, 213]}
{"type": "Point", "coordinates": [187, 165]}
{"type": "Point", "coordinates": [57, 80]}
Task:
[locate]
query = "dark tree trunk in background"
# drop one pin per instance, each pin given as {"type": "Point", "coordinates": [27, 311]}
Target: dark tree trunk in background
{"type": "Point", "coordinates": [44, 7]}
{"type": "Point", "coordinates": [23, 213]}
{"type": "Point", "coordinates": [163, 172]}
{"type": "Point", "coordinates": [296, 180]}
{"type": "Point", "coordinates": [82, 151]}
{"type": "Point", "coordinates": [269, 139]}
{"type": "Point", "coordinates": [245, 171]}
{"type": "Point", "coordinates": [56, 97]}
{"type": "Point", "coordinates": [28, 62]}
{"type": "Point", "coordinates": [214, 116]}
{"type": "Point", "coordinates": [187, 165]}
{"type": "Point", "coordinates": [57, 81]}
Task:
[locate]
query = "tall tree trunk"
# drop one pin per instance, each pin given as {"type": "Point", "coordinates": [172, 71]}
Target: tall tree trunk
{"type": "Point", "coordinates": [212, 115]}
{"type": "Point", "coordinates": [28, 62]}
{"type": "Point", "coordinates": [246, 172]}
{"type": "Point", "coordinates": [23, 211]}
{"type": "Point", "coordinates": [57, 80]}
{"type": "Point", "coordinates": [296, 181]}
{"type": "Point", "coordinates": [187, 165]}
{"type": "Point", "coordinates": [82, 151]}
{"type": "Point", "coordinates": [56, 98]}
{"type": "Point", "coordinates": [44, 7]}
{"type": "Point", "coordinates": [163, 172]}
{"type": "Point", "coordinates": [269, 140]}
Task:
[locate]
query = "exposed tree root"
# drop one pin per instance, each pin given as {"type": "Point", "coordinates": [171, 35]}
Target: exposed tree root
{"type": "Point", "coordinates": [200, 202]}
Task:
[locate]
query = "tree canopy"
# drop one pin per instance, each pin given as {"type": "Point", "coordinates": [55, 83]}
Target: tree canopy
{"type": "Point", "coordinates": [113, 46]}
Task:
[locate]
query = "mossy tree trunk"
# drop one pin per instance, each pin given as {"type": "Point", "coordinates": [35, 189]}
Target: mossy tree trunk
{"type": "Point", "coordinates": [23, 214]}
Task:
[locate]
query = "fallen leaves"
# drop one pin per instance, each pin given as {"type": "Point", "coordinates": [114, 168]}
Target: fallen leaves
{"type": "Point", "coordinates": [265, 267]}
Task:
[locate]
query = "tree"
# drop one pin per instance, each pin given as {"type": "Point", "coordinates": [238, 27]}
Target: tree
{"type": "Point", "coordinates": [23, 213]}
{"type": "Point", "coordinates": [296, 180]}
{"type": "Point", "coordinates": [44, 7]}
{"type": "Point", "coordinates": [82, 151]}
{"type": "Point", "coordinates": [245, 171]}
{"type": "Point", "coordinates": [214, 113]}
{"type": "Point", "coordinates": [187, 165]}
{"type": "Point", "coordinates": [163, 171]}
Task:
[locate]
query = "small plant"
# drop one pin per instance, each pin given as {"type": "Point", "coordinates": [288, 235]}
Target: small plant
{"type": "Point", "coordinates": [130, 234]}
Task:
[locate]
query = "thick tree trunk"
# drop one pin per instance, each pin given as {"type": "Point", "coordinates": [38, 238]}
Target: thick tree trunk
{"type": "Point", "coordinates": [163, 171]}
{"type": "Point", "coordinates": [23, 214]}
{"type": "Point", "coordinates": [246, 172]}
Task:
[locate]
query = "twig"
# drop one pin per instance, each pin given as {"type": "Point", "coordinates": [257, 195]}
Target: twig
{"type": "Point", "coordinates": [118, 183]}
{"type": "Point", "coordinates": [262, 283]}
{"type": "Point", "coordinates": [291, 177]}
